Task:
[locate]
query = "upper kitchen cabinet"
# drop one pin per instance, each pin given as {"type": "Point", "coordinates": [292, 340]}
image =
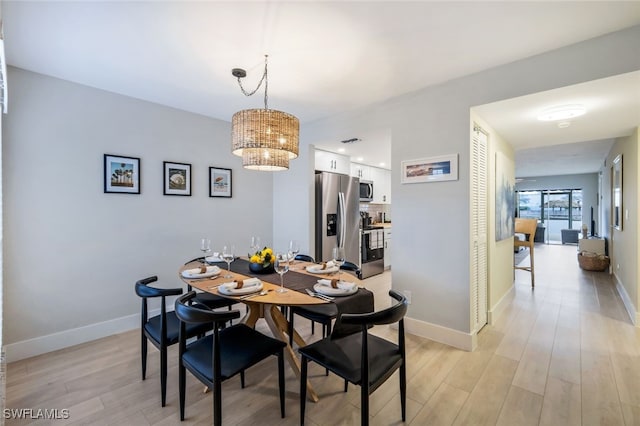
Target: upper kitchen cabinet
{"type": "Point", "coordinates": [361, 171]}
{"type": "Point", "coordinates": [381, 185]}
{"type": "Point", "coordinates": [330, 162]}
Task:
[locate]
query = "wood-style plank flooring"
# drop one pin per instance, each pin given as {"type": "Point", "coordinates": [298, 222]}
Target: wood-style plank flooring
{"type": "Point", "coordinates": [564, 354]}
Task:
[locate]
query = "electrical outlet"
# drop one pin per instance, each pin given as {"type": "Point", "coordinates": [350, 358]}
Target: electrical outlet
{"type": "Point", "coordinates": [407, 294]}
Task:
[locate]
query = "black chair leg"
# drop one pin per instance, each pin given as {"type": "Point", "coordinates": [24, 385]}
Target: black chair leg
{"type": "Point", "coordinates": [281, 380]}
{"type": "Point", "coordinates": [364, 406]}
{"type": "Point", "coordinates": [290, 330]}
{"type": "Point", "coordinates": [403, 391]}
{"type": "Point", "coordinates": [217, 402]}
{"type": "Point", "coordinates": [242, 379]}
{"type": "Point", "coordinates": [313, 327]}
{"type": "Point", "coordinates": [163, 375]}
{"type": "Point", "coordinates": [181, 385]}
{"type": "Point", "coordinates": [303, 387]}
{"type": "Point", "coordinates": [143, 356]}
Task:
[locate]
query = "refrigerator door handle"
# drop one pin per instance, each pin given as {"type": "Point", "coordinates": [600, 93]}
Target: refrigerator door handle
{"type": "Point", "coordinates": [341, 219]}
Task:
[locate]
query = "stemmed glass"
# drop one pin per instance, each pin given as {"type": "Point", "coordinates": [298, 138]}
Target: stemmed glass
{"type": "Point", "coordinates": [228, 256]}
{"type": "Point", "coordinates": [205, 247]}
{"type": "Point", "coordinates": [339, 259]}
{"type": "Point", "coordinates": [282, 267]}
{"type": "Point", "coordinates": [294, 249]}
{"type": "Point", "coordinates": [255, 245]}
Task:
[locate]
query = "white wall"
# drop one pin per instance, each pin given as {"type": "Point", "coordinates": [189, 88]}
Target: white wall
{"type": "Point", "coordinates": [430, 221]}
{"type": "Point", "coordinates": [624, 245]}
{"type": "Point", "coordinates": [73, 253]}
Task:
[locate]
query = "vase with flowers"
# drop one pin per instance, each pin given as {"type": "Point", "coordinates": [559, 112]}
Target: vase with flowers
{"type": "Point", "coordinates": [261, 262]}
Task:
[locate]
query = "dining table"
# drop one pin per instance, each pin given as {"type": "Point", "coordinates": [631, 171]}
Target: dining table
{"type": "Point", "coordinates": [266, 304]}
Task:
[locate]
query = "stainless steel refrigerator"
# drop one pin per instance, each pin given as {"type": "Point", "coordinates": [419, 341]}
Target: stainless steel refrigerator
{"type": "Point", "coordinates": [337, 216]}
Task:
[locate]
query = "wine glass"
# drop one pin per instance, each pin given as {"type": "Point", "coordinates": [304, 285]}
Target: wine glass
{"type": "Point", "coordinates": [282, 267]}
{"type": "Point", "coordinates": [205, 247]}
{"type": "Point", "coordinates": [339, 259]}
{"type": "Point", "coordinates": [255, 245]}
{"type": "Point", "coordinates": [228, 256]}
{"type": "Point", "coordinates": [294, 249]}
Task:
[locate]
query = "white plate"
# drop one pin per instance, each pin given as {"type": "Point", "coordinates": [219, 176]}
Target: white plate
{"type": "Point", "coordinates": [195, 272]}
{"type": "Point", "coordinates": [317, 269]}
{"type": "Point", "coordinates": [213, 259]}
{"type": "Point", "coordinates": [230, 290]}
{"type": "Point", "coordinates": [330, 291]}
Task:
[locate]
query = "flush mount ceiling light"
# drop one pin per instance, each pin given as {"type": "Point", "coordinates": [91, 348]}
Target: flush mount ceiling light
{"type": "Point", "coordinates": [266, 139]}
{"type": "Point", "coordinates": [562, 112]}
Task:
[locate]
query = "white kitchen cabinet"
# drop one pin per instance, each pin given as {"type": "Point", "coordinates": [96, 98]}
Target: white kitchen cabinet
{"type": "Point", "coordinates": [387, 248]}
{"type": "Point", "coordinates": [330, 162]}
{"type": "Point", "coordinates": [381, 185]}
{"type": "Point", "coordinates": [361, 171]}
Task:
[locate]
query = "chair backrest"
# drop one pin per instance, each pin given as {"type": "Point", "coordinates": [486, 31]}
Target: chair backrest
{"type": "Point", "coordinates": [304, 258]}
{"type": "Point", "coordinates": [144, 291]}
{"type": "Point", "coordinates": [389, 315]}
{"type": "Point", "coordinates": [527, 227]}
{"type": "Point", "coordinates": [196, 313]}
{"type": "Point", "coordinates": [349, 266]}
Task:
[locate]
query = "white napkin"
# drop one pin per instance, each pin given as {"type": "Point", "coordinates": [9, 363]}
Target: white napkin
{"type": "Point", "coordinates": [330, 265]}
{"type": "Point", "coordinates": [216, 257]}
{"type": "Point", "coordinates": [342, 285]}
{"type": "Point", "coordinates": [195, 272]}
{"type": "Point", "coordinates": [249, 282]}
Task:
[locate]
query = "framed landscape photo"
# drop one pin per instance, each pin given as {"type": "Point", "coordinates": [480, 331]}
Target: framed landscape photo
{"type": "Point", "coordinates": [177, 178]}
{"type": "Point", "coordinates": [219, 182]}
{"type": "Point", "coordinates": [616, 192]}
{"type": "Point", "coordinates": [431, 169]}
{"type": "Point", "coordinates": [121, 174]}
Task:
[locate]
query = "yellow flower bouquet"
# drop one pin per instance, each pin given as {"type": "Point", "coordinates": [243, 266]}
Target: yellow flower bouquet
{"type": "Point", "coordinates": [261, 262]}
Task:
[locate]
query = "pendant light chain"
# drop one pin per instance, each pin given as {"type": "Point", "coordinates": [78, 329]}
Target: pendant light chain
{"type": "Point", "coordinates": [263, 79]}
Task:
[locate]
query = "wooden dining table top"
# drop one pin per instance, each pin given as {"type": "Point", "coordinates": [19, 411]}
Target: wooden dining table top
{"type": "Point", "coordinates": [295, 281]}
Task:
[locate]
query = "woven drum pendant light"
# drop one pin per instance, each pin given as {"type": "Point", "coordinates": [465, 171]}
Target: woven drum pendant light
{"type": "Point", "coordinates": [266, 139]}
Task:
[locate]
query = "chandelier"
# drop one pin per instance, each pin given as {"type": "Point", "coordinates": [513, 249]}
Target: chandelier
{"type": "Point", "coordinates": [266, 139]}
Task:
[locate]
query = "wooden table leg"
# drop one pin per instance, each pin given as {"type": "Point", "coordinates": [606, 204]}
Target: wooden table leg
{"type": "Point", "coordinates": [278, 324]}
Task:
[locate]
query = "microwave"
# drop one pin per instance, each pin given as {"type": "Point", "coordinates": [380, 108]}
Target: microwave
{"type": "Point", "coordinates": [366, 190]}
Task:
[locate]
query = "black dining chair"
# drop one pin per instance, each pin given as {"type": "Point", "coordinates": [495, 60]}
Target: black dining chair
{"type": "Point", "coordinates": [304, 258]}
{"type": "Point", "coordinates": [352, 267]}
{"type": "Point", "coordinates": [361, 358]}
{"type": "Point", "coordinates": [222, 354]}
{"type": "Point", "coordinates": [161, 330]}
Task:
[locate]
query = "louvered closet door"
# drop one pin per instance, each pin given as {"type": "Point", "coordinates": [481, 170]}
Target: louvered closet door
{"type": "Point", "coordinates": [479, 256]}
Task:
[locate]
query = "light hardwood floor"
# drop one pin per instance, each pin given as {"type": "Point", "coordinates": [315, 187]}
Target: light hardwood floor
{"type": "Point", "coordinates": [564, 354]}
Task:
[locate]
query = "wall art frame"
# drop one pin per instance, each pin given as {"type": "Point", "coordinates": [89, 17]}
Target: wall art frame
{"type": "Point", "coordinates": [220, 182]}
{"type": "Point", "coordinates": [121, 174]}
{"type": "Point", "coordinates": [177, 178]}
{"type": "Point", "coordinates": [616, 193]}
{"type": "Point", "coordinates": [431, 169]}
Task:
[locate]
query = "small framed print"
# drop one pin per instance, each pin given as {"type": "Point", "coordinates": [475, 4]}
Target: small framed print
{"type": "Point", "coordinates": [219, 182]}
{"type": "Point", "coordinates": [177, 178]}
{"type": "Point", "coordinates": [121, 174]}
{"type": "Point", "coordinates": [432, 169]}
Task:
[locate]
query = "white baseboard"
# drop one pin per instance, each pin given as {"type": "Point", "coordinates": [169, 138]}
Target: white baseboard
{"type": "Point", "coordinates": [448, 336]}
{"type": "Point", "coordinates": [628, 304]}
{"type": "Point", "coordinates": [498, 308]}
{"type": "Point", "coordinates": [64, 339]}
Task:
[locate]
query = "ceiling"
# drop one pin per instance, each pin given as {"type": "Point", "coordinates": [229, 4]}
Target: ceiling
{"type": "Point", "coordinates": [325, 58]}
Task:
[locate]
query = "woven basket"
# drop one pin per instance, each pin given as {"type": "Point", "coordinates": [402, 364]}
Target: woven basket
{"type": "Point", "coordinates": [592, 261]}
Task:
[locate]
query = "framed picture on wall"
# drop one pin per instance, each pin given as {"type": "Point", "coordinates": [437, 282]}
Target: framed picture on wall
{"type": "Point", "coordinates": [121, 174]}
{"type": "Point", "coordinates": [177, 178]}
{"type": "Point", "coordinates": [433, 169]}
{"type": "Point", "coordinates": [616, 192]}
{"type": "Point", "coordinates": [219, 182]}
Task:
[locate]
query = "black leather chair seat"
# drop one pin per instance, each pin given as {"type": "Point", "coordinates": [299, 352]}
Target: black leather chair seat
{"type": "Point", "coordinates": [343, 357]}
{"type": "Point", "coordinates": [238, 349]}
{"type": "Point", "coordinates": [318, 313]}
{"type": "Point", "coordinates": [173, 328]}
